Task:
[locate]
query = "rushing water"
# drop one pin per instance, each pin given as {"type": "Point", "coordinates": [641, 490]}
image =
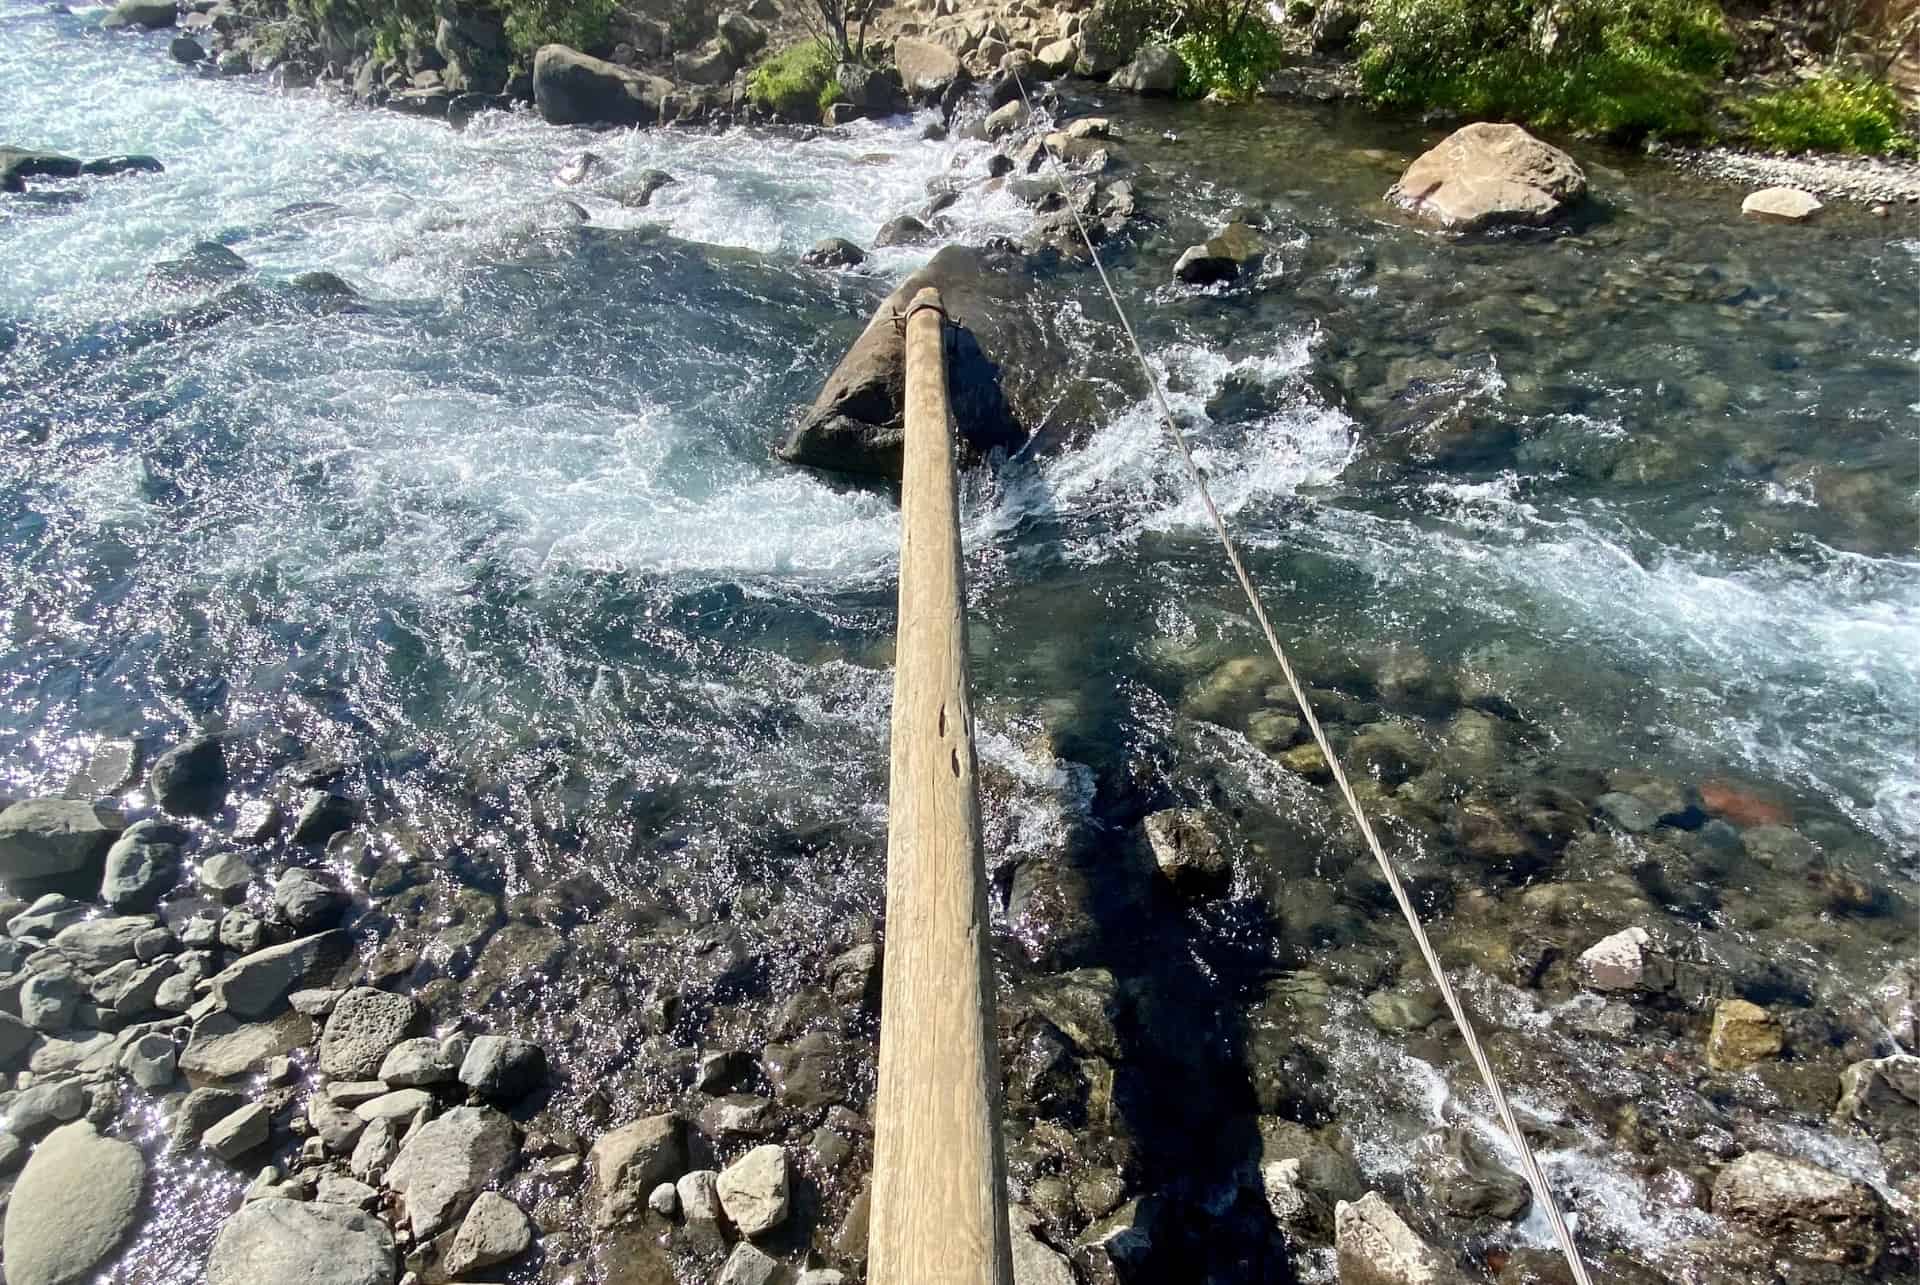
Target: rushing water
{"type": "Point", "coordinates": [502, 529]}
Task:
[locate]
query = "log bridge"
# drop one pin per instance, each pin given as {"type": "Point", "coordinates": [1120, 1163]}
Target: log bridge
{"type": "Point", "coordinates": [939, 1213]}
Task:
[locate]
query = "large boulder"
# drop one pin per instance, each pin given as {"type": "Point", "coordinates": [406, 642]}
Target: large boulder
{"type": "Point", "coordinates": [1486, 175]}
{"type": "Point", "coordinates": [571, 88]}
{"type": "Point", "coordinates": [1003, 371]}
{"type": "Point", "coordinates": [926, 70]}
{"type": "Point", "coordinates": [1109, 34]}
{"type": "Point", "coordinates": [150, 14]}
{"type": "Point", "coordinates": [191, 778]}
{"type": "Point", "coordinates": [45, 837]}
{"type": "Point", "coordinates": [74, 1203]}
{"type": "Point", "coordinates": [257, 984]}
{"type": "Point", "coordinates": [295, 1242]}
{"type": "Point", "coordinates": [450, 1161]}
{"type": "Point", "coordinates": [1156, 69]}
{"type": "Point", "coordinates": [1807, 1211]}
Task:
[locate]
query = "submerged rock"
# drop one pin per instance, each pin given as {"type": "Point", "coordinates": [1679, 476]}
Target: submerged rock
{"type": "Point", "coordinates": [571, 88]}
{"type": "Point", "coordinates": [637, 192]}
{"type": "Point", "coordinates": [1186, 848]}
{"type": "Point", "coordinates": [834, 252]}
{"type": "Point", "coordinates": [1220, 258]}
{"type": "Point", "coordinates": [1807, 1211]}
{"type": "Point", "coordinates": [1486, 175]}
{"type": "Point", "coordinates": [1742, 1034]}
{"type": "Point", "coordinates": [1876, 1092]}
{"type": "Point", "coordinates": [75, 1202]}
{"type": "Point", "coordinates": [295, 1242]}
{"type": "Point", "coordinates": [1781, 205]}
{"type": "Point", "coordinates": [19, 164]}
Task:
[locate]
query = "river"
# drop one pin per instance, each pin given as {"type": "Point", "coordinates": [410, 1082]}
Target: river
{"type": "Point", "coordinates": [501, 531]}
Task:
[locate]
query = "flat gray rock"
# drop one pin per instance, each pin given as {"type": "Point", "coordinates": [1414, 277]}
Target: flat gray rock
{"type": "Point", "coordinates": [255, 984]}
{"type": "Point", "coordinates": [101, 943]}
{"type": "Point", "coordinates": [294, 1242]}
{"type": "Point", "coordinates": [43, 837]}
{"type": "Point", "coordinates": [450, 1161]}
{"type": "Point", "coordinates": [363, 1026]}
{"type": "Point", "coordinates": [629, 1162]}
{"type": "Point", "coordinates": [232, 1136]}
{"type": "Point", "coordinates": [74, 1203]}
{"type": "Point", "coordinates": [223, 1046]}
{"type": "Point", "coordinates": [494, 1231]}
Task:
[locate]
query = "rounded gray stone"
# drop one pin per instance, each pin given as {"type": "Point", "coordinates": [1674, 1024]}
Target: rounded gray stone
{"type": "Point", "coordinates": [74, 1203]}
{"type": "Point", "coordinates": [293, 1242]}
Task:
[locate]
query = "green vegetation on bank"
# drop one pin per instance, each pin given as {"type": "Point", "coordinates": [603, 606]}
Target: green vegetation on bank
{"type": "Point", "coordinates": [797, 81]}
{"type": "Point", "coordinates": [1831, 114]}
{"type": "Point", "coordinates": [1229, 47]}
{"type": "Point", "coordinates": [1624, 68]}
{"type": "Point", "coordinates": [398, 26]}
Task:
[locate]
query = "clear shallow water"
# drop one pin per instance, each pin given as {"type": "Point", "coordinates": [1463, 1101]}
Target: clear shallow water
{"type": "Point", "coordinates": [504, 532]}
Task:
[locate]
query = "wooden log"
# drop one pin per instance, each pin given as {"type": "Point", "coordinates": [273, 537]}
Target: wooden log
{"type": "Point", "coordinates": [938, 1214]}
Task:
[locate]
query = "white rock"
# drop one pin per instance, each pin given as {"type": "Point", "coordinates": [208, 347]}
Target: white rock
{"type": "Point", "coordinates": [665, 1200]}
{"type": "Point", "coordinates": [494, 1231]}
{"type": "Point", "coordinates": [74, 1203]}
{"type": "Point", "coordinates": [753, 1190]}
{"type": "Point", "coordinates": [699, 1194]}
{"type": "Point", "coordinates": [1616, 963]}
{"type": "Point", "coordinates": [1376, 1246]}
{"type": "Point", "coordinates": [449, 1162]}
{"type": "Point", "coordinates": [1781, 205]}
{"type": "Point", "coordinates": [747, 1266]}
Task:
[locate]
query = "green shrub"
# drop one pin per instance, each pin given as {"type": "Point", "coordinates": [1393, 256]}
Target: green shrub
{"type": "Point", "coordinates": [1614, 67]}
{"type": "Point", "coordinates": [578, 24]}
{"type": "Point", "coordinates": [795, 80]}
{"type": "Point", "coordinates": [1832, 114]}
{"type": "Point", "coordinates": [1232, 59]}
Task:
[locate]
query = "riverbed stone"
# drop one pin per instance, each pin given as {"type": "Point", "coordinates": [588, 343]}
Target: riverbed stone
{"type": "Point", "coordinates": [1154, 70]}
{"type": "Point", "coordinates": [629, 1162]}
{"type": "Point", "coordinates": [47, 915]}
{"type": "Point", "coordinates": [241, 931]}
{"type": "Point", "coordinates": [754, 1190]}
{"type": "Point", "coordinates": [138, 870]}
{"type": "Point", "coordinates": [74, 1203]}
{"type": "Point", "coordinates": [1187, 848]}
{"type": "Point", "coordinates": [198, 1112]}
{"type": "Point", "coordinates": [1616, 962]}
{"type": "Point", "coordinates": [400, 1105]}
{"type": "Point", "coordinates": [48, 999]}
{"type": "Point", "coordinates": [748, 1265]}
{"type": "Point", "coordinates": [101, 943]}
{"type": "Point", "coordinates": [451, 1160]}
{"type": "Point", "coordinates": [275, 1241]}
{"type": "Point", "coordinates": [501, 1068]}
{"type": "Point", "coordinates": [363, 1026]}
{"type": "Point", "coordinates": [191, 778]}
{"type": "Point", "coordinates": [927, 70]}
{"type": "Point", "coordinates": [699, 1196]}
{"type": "Point", "coordinates": [152, 1061]}
{"type": "Point", "coordinates": [257, 984]}
{"type": "Point", "coordinates": [149, 14]}
{"type": "Point", "coordinates": [374, 1153]}
{"type": "Point", "coordinates": [834, 252]}
{"type": "Point", "coordinates": [1806, 1210]}
{"type": "Point", "coordinates": [307, 901]}
{"type": "Point", "coordinates": [1879, 1091]}
{"type": "Point", "coordinates": [41, 838]}
{"type": "Point", "coordinates": [1781, 205]}
{"type": "Point", "coordinates": [1486, 175]}
{"type": "Point", "coordinates": [45, 1105]}
{"type": "Point", "coordinates": [419, 1062]}
{"type": "Point", "coordinates": [494, 1231]}
{"type": "Point", "coordinates": [1375, 1246]}
{"type": "Point", "coordinates": [233, 1135]}
{"type": "Point", "coordinates": [322, 815]}
{"type": "Point", "coordinates": [223, 1046]}
{"type": "Point", "coordinates": [1742, 1034]}
{"type": "Point", "coordinates": [572, 88]}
